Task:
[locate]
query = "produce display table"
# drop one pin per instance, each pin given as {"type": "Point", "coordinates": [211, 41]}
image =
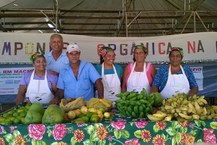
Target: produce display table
{"type": "Point", "coordinates": [116, 131]}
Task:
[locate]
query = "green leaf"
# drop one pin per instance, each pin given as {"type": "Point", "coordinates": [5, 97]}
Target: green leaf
{"type": "Point", "coordinates": [184, 130]}
{"type": "Point", "coordinates": [174, 141]}
{"type": "Point", "coordinates": [125, 134]}
{"type": "Point", "coordinates": [90, 129]}
{"type": "Point", "coordinates": [137, 134]}
{"type": "Point", "coordinates": [49, 133]}
{"type": "Point", "coordinates": [199, 140]}
{"type": "Point", "coordinates": [198, 123]}
{"type": "Point", "coordinates": [170, 131]}
{"type": "Point", "coordinates": [193, 132]}
{"type": "Point", "coordinates": [203, 123]}
{"type": "Point", "coordinates": [94, 137]}
{"type": "Point", "coordinates": [97, 125]}
{"type": "Point", "coordinates": [102, 142]}
{"type": "Point", "coordinates": [73, 141]}
{"type": "Point", "coordinates": [178, 137]}
{"type": "Point", "coordinates": [16, 133]}
{"type": "Point", "coordinates": [213, 125]}
{"type": "Point", "coordinates": [117, 134]}
{"type": "Point", "coordinates": [54, 143]}
{"type": "Point", "coordinates": [155, 128]}
{"type": "Point", "coordinates": [87, 142]}
{"type": "Point", "coordinates": [38, 142]}
{"type": "Point", "coordinates": [175, 125]}
{"type": "Point", "coordinates": [42, 143]}
{"type": "Point", "coordinates": [34, 142]}
{"type": "Point", "coordinates": [9, 137]}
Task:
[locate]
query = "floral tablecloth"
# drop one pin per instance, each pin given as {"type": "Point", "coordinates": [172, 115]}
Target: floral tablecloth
{"type": "Point", "coordinates": [118, 131]}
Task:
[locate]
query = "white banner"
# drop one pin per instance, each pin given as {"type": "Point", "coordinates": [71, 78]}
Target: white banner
{"type": "Point", "coordinates": [17, 47]}
{"type": "Point", "coordinates": [10, 79]}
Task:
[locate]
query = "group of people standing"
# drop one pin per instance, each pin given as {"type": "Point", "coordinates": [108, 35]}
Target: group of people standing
{"type": "Point", "coordinates": [61, 74]}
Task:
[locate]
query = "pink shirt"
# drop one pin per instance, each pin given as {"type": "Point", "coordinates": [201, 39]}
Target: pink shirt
{"type": "Point", "coordinates": [148, 71]}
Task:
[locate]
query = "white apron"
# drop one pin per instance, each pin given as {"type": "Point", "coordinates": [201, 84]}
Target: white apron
{"type": "Point", "coordinates": [38, 90]}
{"type": "Point", "coordinates": [176, 83]}
{"type": "Point", "coordinates": [138, 80]}
{"type": "Point", "coordinates": [112, 84]}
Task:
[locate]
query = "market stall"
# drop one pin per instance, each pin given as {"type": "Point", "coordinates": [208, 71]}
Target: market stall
{"type": "Point", "coordinates": [85, 124]}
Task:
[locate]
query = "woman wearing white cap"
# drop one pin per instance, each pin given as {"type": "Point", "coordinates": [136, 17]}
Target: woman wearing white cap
{"type": "Point", "coordinates": [79, 78]}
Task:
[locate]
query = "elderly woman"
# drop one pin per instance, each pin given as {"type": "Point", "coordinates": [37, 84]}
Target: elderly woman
{"type": "Point", "coordinates": [175, 78]}
{"type": "Point", "coordinates": [111, 73]}
{"type": "Point", "coordinates": [140, 74]}
{"type": "Point", "coordinates": [38, 85]}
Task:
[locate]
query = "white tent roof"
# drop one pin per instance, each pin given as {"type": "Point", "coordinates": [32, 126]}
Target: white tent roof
{"type": "Point", "coordinates": [109, 17]}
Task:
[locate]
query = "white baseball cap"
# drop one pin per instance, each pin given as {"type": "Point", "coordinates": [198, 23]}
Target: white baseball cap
{"type": "Point", "coordinates": [72, 47]}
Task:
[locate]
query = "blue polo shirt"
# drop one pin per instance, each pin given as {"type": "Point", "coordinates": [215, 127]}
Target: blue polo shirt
{"type": "Point", "coordinates": [56, 65]}
{"type": "Point", "coordinates": [83, 85]}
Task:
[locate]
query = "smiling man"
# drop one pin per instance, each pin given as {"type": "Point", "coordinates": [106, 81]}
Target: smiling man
{"type": "Point", "coordinates": [79, 78]}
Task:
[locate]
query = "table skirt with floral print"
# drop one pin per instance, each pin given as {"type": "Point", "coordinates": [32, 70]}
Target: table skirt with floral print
{"type": "Point", "coordinates": [118, 131]}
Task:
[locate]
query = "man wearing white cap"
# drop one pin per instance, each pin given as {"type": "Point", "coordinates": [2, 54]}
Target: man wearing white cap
{"type": "Point", "coordinates": [79, 78]}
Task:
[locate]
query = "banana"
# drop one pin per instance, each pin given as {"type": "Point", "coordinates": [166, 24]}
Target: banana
{"type": "Point", "coordinates": [164, 102]}
{"type": "Point", "coordinates": [154, 118]}
{"type": "Point", "coordinates": [201, 101]}
{"type": "Point", "coordinates": [185, 116]}
{"type": "Point", "coordinates": [178, 110]}
{"type": "Point", "coordinates": [208, 109]}
{"type": "Point", "coordinates": [212, 111]}
{"type": "Point", "coordinates": [180, 119]}
{"type": "Point", "coordinates": [184, 108]}
{"type": "Point", "coordinates": [214, 116]}
{"type": "Point", "coordinates": [197, 108]}
{"type": "Point", "coordinates": [174, 104]}
{"type": "Point", "coordinates": [106, 102]}
{"type": "Point", "coordinates": [214, 108]}
{"type": "Point", "coordinates": [204, 111]}
{"type": "Point", "coordinates": [184, 112]}
{"type": "Point", "coordinates": [167, 107]}
{"type": "Point", "coordinates": [203, 117]}
{"type": "Point", "coordinates": [190, 110]}
{"type": "Point", "coordinates": [93, 110]}
{"type": "Point", "coordinates": [196, 117]}
{"type": "Point", "coordinates": [168, 117]}
{"type": "Point", "coordinates": [159, 114]}
{"type": "Point", "coordinates": [77, 103]}
{"type": "Point", "coordinates": [172, 111]}
{"type": "Point", "coordinates": [191, 107]}
{"type": "Point", "coordinates": [176, 114]}
{"type": "Point", "coordinates": [184, 102]}
{"type": "Point", "coordinates": [209, 117]}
